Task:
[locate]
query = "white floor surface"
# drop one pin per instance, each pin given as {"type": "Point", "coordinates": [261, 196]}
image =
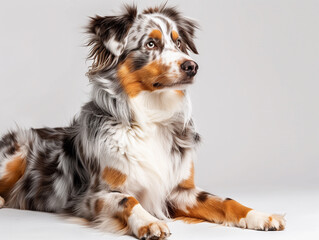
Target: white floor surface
{"type": "Point", "coordinates": [301, 208]}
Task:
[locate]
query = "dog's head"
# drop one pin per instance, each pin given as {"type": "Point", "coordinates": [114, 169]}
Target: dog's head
{"type": "Point", "coordinates": [146, 52]}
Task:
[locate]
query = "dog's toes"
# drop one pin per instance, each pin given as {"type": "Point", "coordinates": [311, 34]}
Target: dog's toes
{"type": "Point", "coordinates": [155, 230]}
{"type": "Point", "coordinates": [276, 223]}
{"type": "Point", "coordinates": [1, 202]}
{"type": "Point", "coordinates": [263, 221]}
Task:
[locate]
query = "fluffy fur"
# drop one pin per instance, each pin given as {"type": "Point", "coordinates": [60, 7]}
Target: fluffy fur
{"type": "Point", "coordinates": [126, 162]}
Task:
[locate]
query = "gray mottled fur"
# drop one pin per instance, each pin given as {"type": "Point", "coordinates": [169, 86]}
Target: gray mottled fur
{"type": "Point", "coordinates": [64, 165]}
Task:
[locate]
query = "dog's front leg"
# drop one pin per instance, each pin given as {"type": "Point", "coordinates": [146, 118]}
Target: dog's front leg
{"type": "Point", "coordinates": [191, 204]}
{"type": "Point", "coordinates": [121, 213]}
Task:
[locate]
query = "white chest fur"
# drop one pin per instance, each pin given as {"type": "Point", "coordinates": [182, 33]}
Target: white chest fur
{"type": "Point", "coordinates": [154, 171]}
{"type": "Point", "coordinates": [152, 168]}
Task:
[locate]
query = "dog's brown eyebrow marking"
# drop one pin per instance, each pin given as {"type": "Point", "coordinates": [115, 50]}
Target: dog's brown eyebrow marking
{"type": "Point", "coordinates": [174, 35]}
{"type": "Point", "coordinates": [156, 34]}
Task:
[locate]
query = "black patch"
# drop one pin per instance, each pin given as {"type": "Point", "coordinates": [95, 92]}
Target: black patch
{"type": "Point", "coordinates": [197, 137]}
{"type": "Point", "coordinates": [102, 29]}
{"type": "Point", "coordinates": [170, 209]}
{"type": "Point", "coordinates": [123, 201]}
{"type": "Point", "coordinates": [9, 141]}
{"type": "Point", "coordinates": [95, 110]}
{"type": "Point", "coordinates": [115, 191]}
{"type": "Point", "coordinates": [157, 84]}
{"type": "Point", "coordinates": [181, 151]}
{"type": "Point", "coordinates": [139, 62]}
{"type": "Point", "coordinates": [227, 199]}
{"type": "Point", "coordinates": [183, 138]}
{"type": "Point", "coordinates": [45, 165]}
{"type": "Point", "coordinates": [118, 25]}
{"type": "Point", "coordinates": [27, 184]}
{"type": "Point", "coordinates": [49, 133]}
{"type": "Point", "coordinates": [202, 196]}
{"type": "Point", "coordinates": [12, 150]}
{"type": "Point", "coordinates": [81, 179]}
{"type": "Point", "coordinates": [68, 147]}
{"type": "Point", "coordinates": [272, 229]}
{"type": "Point", "coordinates": [80, 175]}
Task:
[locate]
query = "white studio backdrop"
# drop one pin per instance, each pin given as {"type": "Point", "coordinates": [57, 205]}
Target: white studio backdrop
{"type": "Point", "coordinates": [255, 100]}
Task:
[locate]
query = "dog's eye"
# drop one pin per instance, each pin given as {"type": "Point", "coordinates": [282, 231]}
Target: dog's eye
{"type": "Point", "coordinates": [178, 43]}
{"type": "Point", "coordinates": [151, 45]}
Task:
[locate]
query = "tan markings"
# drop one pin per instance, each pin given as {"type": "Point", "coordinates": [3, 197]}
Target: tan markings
{"type": "Point", "coordinates": [189, 220]}
{"type": "Point", "coordinates": [180, 93]}
{"type": "Point", "coordinates": [215, 210]}
{"type": "Point", "coordinates": [142, 231]}
{"type": "Point", "coordinates": [14, 171]}
{"type": "Point", "coordinates": [156, 34]}
{"type": "Point", "coordinates": [122, 217]}
{"type": "Point", "coordinates": [174, 35]}
{"type": "Point", "coordinates": [188, 183]}
{"type": "Point", "coordinates": [113, 177]}
{"type": "Point", "coordinates": [210, 210]}
{"type": "Point", "coordinates": [235, 211]}
{"type": "Point", "coordinates": [144, 78]}
{"type": "Point", "coordinates": [98, 206]}
{"type": "Point", "coordinates": [131, 202]}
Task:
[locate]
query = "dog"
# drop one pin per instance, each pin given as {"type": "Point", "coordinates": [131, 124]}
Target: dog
{"type": "Point", "coordinates": [125, 163]}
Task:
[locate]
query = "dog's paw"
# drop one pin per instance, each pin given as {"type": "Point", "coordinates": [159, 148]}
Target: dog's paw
{"type": "Point", "coordinates": [154, 230]}
{"type": "Point", "coordinates": [263, 221]}
{"type": "Point", "coordinates": [1, 202]}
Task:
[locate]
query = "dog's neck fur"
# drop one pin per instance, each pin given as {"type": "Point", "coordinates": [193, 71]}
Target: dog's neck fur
{"type": "Point", "coordinates": [159, 106]}
{"type": "Point", "coordinates": [144, 109]}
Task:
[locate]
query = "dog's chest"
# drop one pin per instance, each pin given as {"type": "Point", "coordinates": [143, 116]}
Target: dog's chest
{"type": "Point", "coordinates": [151, 165]}
{"type": "Point", "coordinates": [149, 155]}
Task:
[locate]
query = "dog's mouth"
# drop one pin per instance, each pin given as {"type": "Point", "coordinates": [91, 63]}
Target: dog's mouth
{"type": "Point", "coordinates": [181, 83]}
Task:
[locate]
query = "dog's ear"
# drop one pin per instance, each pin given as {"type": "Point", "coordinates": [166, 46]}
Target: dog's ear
{"type": "Point", "coordinates": [186, 27]}
{"type": "Point", "coordinates": [108, 38]}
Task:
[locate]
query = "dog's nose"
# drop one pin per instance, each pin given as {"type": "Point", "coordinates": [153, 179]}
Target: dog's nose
{"type": "Point", "coordinates": [190, 68]}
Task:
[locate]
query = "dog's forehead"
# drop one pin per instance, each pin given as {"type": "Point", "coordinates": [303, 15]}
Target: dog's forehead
{"type": "Point", "coordinates": [147, 23]}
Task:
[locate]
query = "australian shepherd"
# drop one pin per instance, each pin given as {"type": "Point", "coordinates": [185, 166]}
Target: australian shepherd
{"type": "Point", "coordinates": [125, 163]}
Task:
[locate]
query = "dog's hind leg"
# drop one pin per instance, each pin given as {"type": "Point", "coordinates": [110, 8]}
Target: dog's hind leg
{"type": "Point", "coordinates": [1, 202]}
{"type": "Point", "coordinates": [12, 163]}
{"type": "Point", "coordinates": [121, 213]}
